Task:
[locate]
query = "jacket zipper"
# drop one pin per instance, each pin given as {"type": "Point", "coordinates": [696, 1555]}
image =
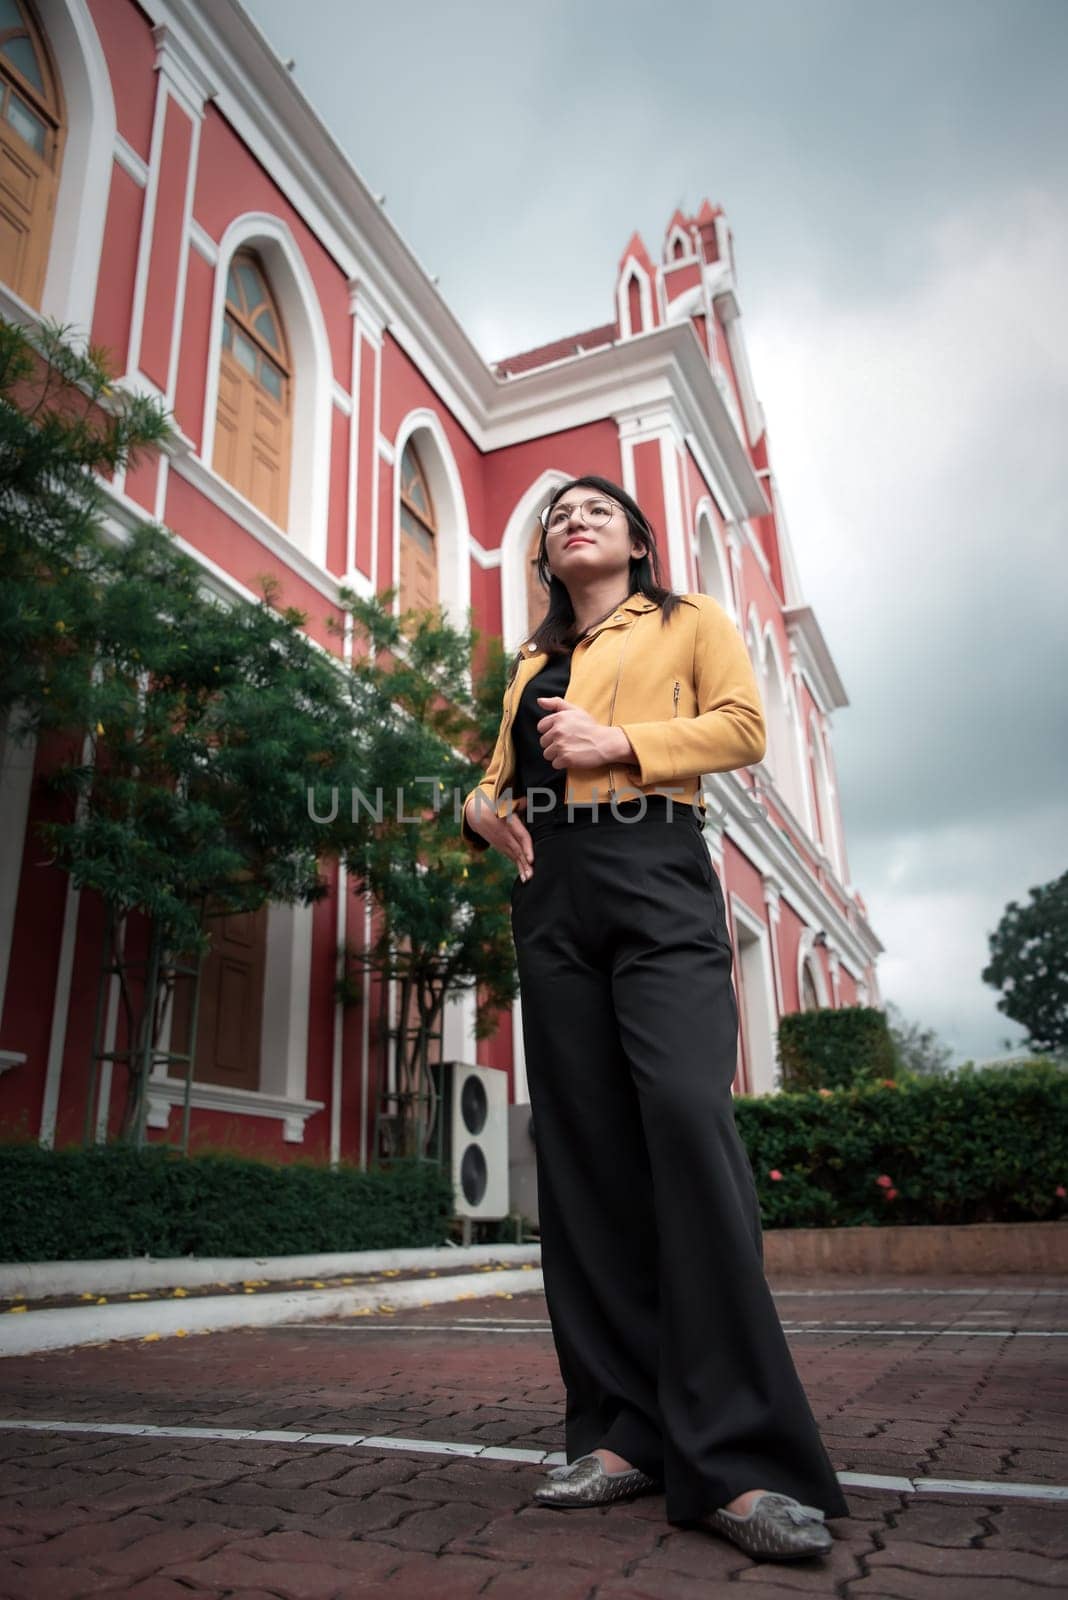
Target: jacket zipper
{"type": "Point", "coordinates": [675, 699]}
{"type": "Point", "coordinates": [504, 733]}
{"type": "Point", "coordinates": [612, 706]}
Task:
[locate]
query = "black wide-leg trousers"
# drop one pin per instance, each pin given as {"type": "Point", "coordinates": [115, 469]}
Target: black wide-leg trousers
{"type": "Point", "coordinates": [669, 1343]}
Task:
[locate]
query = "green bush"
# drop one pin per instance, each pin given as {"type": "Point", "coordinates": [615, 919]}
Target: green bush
{"type": "Point", "coordinates": [978, 1146]}
{"type": "Point", "coordinates": [832, 1048]}
{"type": "Point", "coordinates": [113, 1201]}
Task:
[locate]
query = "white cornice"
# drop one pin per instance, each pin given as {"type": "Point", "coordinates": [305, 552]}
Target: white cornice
{"type": "Point", "coordinates": [814, 657]}
{"type": "Point", "coordinates": [665, 368]}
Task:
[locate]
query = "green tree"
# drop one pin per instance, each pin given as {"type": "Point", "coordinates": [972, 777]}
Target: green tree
{"type": "Point", "coordinates": [1029, 964]}
{"type": "Point", "coordinates": [62, 426]}
{"type": "Point", "coordinates": [197, 728]}
{"type": "Point", "coordinates": [425, 732]}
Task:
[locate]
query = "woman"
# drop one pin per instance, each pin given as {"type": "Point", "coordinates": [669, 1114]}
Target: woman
{"type": "Point", "coordinates": [675, 1365]}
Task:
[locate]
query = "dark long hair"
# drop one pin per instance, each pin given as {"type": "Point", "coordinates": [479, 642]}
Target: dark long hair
{"type": "Point", "coordinates": [556, 632]}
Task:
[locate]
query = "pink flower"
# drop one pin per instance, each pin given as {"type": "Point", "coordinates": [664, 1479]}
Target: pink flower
{"type": "Point", "coordinates": [888, 1083]}
{"type": "Point", "coordinates": [775, 1173]}
{"type": "Point", "coordinates": [825, 1092]}
{"type": "Point", "coordinates": [1060, 1191]}
{"type": "Point", "coordinates": [884, 1182]}
{"type": "Point", "coordinates": [889, 1194]}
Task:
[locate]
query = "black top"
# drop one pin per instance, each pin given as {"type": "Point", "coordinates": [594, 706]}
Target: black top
{"type": "Point", "coordinates": [531, 768]}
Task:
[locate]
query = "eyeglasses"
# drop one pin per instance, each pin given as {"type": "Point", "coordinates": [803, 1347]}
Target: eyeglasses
{"type": "Point", "coordinates": [595, 513]}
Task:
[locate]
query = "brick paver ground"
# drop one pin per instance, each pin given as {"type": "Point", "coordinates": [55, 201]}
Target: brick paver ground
{"type": "Point", "coordinates": [970, 1386]}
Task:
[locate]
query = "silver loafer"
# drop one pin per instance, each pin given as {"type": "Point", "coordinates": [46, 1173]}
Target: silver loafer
{"type": "Point", "coordinates": [777, 1528]}
{"type": "Point", "coordinates": [584, 1482]}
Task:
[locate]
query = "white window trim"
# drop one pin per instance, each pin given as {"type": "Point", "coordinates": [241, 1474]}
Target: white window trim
{"type": "Point", "coordinates": [69, 293]}
{"type": "Point", "coordinates": [424, 428]}
{"type": "Point", "coordinates": [742, 916]}
{"type": "Point", "coordinates": [284, 1017]}
{"type": "Point", "coordinates": [518, 529]}
{"type": "Point", "coordinates": [708, 540]}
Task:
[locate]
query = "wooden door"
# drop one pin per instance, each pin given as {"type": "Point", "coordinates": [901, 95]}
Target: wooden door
{"type": "Point", "coordinates": [231, 1003]}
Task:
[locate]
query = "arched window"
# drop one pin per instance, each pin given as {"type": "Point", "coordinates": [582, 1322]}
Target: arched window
{"type": "Point", "coordinates": [537, 597]}
{"type": "Point", "coordinates": [31, 145]}
{"type": "Point", "coordinates": [810, 1000]}
{"type": "Point", "coordinates": [418, 536]}
{"type": "Point", "coordinates": [252, 422]}
{"type": "Point", "coordinates": [634, 303]}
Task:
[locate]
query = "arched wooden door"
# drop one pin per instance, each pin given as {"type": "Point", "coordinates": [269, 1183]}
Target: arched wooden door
{"type": "Point", "coordinates": [31, 147]}
{"type": "Point", "coordinates": [252, 425]}
{"type": "Point", "coordinates": [418, 536]}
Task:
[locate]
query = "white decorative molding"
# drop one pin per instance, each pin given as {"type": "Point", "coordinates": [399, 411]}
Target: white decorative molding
{"type": "Point", "coordinates": [130, 162]}
{"type": "Point", "coordinates": [11, 1058]}
{"type": "Point", "coordinates": [341, 398]}
{"type": "Point", "coordinates": [166, 1093]}
{"type": "Point", "coordinates": [17, 757]}
{"type": "Point", "coordinates": [385, 450]}
{"type": "Point", "coordinates": [369, 308]}
{"type": "Point", "coordinates": [192, 87]}
{"type": "Point", "coordinates": [203, 243]}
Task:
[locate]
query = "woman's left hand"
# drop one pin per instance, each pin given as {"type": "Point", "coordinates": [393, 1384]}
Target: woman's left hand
{"type": "Point", "coordinates": [571, 738]}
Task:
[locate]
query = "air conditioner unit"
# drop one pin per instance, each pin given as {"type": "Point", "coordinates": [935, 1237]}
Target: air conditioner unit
{"type": "Point", "coordinates": [472, 1112]}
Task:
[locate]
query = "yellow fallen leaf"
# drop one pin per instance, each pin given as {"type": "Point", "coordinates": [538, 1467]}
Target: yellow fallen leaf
{"type": "Point", "coordinates": [180, 1294]}
{"type": "Point", "coordinates": [362, 1311]}
{"type": "Point", "coordinates": [432, 1274]}
{"type": "Point", "coordinates": [348, 1280]}
{"type": "Point", "coordinates": [392, 1272]}
{"type": "Point", "coordinates": [103, 1300]}
{"type": "Point", "coordinates": [318, 1285]}
{"type": "Point", "coordinates": [248, 1291]}
{"type": "Point", "coordinates": [13, 1309]}
{"type": "Point", "coordinates": [138, 1294]}
{"type": "Point", "coordinates": [149, 1337]}
{"type": "Point", "coordinates": [528, 1266]}
{"type": "Point", "coordinates": [502, 1294]}
{"type": "Point", "coordinates": [87, 1296]}
{"type": "Point", "coordinates": [180, 1333]}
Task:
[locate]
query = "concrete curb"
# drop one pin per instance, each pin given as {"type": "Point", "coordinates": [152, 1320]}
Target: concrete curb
{"type": "Point", "coordinates": [38, 1279]}
{"type": "Point", "coordinates": [71, 1326]}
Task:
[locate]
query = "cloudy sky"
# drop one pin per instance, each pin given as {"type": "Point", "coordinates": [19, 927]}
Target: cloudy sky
{"type": "Point", "coordinates": [895, 178]}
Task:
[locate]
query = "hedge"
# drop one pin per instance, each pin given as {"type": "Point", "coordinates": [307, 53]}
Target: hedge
{"type": "Point", "coordinates": [112, 1201]}
{"type": "Point", "coordinates": [985, 1145]}
{"type": "Point", "coordinates": [981, 1145]}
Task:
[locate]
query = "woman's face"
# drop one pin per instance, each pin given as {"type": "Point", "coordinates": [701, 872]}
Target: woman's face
{"type": "Point", "coordinates": [581, 542]}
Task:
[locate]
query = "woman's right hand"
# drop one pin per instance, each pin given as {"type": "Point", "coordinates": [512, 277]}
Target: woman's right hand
{"type": "Point", "coordinates": [508, 834]}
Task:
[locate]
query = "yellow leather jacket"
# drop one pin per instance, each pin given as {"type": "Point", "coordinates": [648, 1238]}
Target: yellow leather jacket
{"type": "Point", "coordinates": [683, 692]}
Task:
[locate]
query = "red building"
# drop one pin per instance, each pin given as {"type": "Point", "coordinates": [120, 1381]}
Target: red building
{"type": "Point", "coordinates": [166, 187]}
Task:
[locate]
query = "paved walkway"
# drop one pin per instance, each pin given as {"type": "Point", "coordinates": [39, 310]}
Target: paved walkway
{"type": "Point", "coordinates": [459, 1407]}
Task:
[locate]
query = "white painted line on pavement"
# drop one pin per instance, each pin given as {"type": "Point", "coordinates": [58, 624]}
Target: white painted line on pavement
{"type": "Point", "coordinates": [995, 1489]}
{"type": "Point", "coordinates": [517, 1326]}
{"type": "Point", "coordinates": [908, 1289]}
